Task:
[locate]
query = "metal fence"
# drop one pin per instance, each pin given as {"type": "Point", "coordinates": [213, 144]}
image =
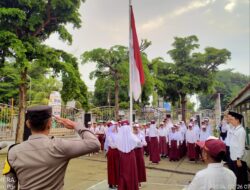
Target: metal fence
{"type": "Point", "coordinates": [9, 117]}
{"type": "Point", "coordinates": [107, 113]}
{"type": "Point", "coordinates": [70, 113]}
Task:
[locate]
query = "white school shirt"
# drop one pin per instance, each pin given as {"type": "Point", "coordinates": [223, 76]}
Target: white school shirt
{"type": "Point", "coordinates": [112, 141]}
{"type": "Point", "coordinates": [209, 129]}
{"type": "Point", "coordinates": [183, 130]}
{"type": "Point", "coordinates": [147, 132]}
{"type": "Point", "coordinates": [153, 132]}
{"type": "Point", "coordinates": [94, 130]}
{"type": "Point", "coordinates": [197, 131]}
{"type": "Point", "coordinates": [141, 139]}
{"type": "Point", "coordinates": [203, 135]}
{"type": "Point", "coordinates": [169, 125]}
{"type": "Point", "coordinates": [162, 132]}
{"type": "Point", "coordinates": [142, 131]}
{"type": "Point", "coordinates": [174, 136]}
{"type": "Point", "coordinates": [237, 142]}
{"type": "Point", "coordinates": [191, 136]}
{"type": "Point", "coordinates": [215, 177]}
{"type": "Point", "coordinates": [105, 130]}
{"type": "Point", "coordinates": [101, 129]}
{"type": "Point", "coordinates": [180, 136]}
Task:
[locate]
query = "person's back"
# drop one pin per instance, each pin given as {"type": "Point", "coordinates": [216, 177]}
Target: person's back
{"type": "Point", "coordinates": [40, 162]}
{"type": "Point", "coordinates": [215, 177]}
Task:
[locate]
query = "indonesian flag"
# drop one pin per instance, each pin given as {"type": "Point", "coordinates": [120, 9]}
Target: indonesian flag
{"type": "Point", "coordinates": [137, 74]}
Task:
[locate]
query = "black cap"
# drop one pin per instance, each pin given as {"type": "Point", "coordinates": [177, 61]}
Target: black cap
{"type": "Point", "coordinates": [168, 116]}
{"type": "Point", "coordinates": [235, 115]}
{"type": "Point", "coordinates": [39, 112]}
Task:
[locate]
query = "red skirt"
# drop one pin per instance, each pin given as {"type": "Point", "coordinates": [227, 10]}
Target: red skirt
{"type": "Point", "coordinates": [128, 178]}
{"type": "Point", "coordinates": [182, 149]}
{"type": "Point", "coordinates": [141, 170]}
{"type": "Point", "coordinates": [163, 145]}
{"type": "Point", "coordinates": [146, 148]}
{"type": "Point", "coordinates": [174, 152]}
{"type": "Point", "coordinates": [113, 166]}
{"type": "Point", "coordinates": [154, 150]}
{"type": "Point", "coordinates": [101, 140]}
{"type": "Point", "coordinates": [191, 151]}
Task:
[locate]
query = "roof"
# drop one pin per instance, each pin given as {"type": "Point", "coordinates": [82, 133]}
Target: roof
{"type": "Point", "coordinates": [243, 93]}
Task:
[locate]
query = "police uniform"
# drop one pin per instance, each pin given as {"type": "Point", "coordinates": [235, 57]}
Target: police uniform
{"type": "Point", "coordinates": [40, 162]}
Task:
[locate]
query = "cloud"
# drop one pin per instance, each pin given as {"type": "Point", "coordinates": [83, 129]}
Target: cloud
{"type": "Point", "coordinates": [230, 5]}
{"type": "Point", "coordinates": [153, 24]}
{"type": "Point", "coordinates": [156, 23]}
{"type": "Point", "coordinates": [192, 6]}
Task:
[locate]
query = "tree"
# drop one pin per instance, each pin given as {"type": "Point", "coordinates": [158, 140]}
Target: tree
{"type": "Point", "coordinates": [228, 84]}
{"type": "Point", "coordinates": [40, 85]}
{"type": "Point", "coordinates": [112, 75]}
{"type": "Point", "coordinates": [190, 73]}
{"type": "Point", "coordinates": [110, 65]}
{"type": "Point", "coordinates": [24, 26]}
{"type": "Point", "coordinates": [9, 80]}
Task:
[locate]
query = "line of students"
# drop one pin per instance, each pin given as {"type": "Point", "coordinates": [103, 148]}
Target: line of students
{"type": "Point", "coordinates": [174, 140]}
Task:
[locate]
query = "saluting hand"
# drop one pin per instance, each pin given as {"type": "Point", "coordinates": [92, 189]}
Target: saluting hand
{"type": "Point", "coordinates": [66, 122]}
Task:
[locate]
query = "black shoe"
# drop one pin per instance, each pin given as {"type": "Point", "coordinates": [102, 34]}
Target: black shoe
{"type": "Point", "coordinates": [111, 186]}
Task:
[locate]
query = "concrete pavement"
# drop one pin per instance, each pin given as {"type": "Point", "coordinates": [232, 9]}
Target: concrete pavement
{"type": "Point", "coordinates": [90, 173]}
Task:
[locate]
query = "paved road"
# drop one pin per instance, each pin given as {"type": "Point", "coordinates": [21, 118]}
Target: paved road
{"type": "Point", "coordinates": [89, 173]}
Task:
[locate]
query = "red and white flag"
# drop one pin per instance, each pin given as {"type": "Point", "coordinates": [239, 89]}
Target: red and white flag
{"type": "Point", "coordinates": [137, 73]}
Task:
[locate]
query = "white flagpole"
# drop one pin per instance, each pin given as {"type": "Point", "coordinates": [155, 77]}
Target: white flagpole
{"type": "Point", "coordinates": [130, 72]}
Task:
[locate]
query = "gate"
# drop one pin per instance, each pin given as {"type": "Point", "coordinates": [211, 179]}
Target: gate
{"type": "Point", "coordinates": [8, 119]}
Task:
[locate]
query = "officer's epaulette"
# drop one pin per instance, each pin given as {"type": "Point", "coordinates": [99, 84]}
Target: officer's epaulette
{"type": "Point", "coordinates": [7, 167]}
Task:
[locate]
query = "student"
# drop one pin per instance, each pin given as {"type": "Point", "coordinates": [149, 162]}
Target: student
{"type": "Point", "coordinates": [126, 143]}
{"type": "Point", "coordinates": [174, 142]}
{"type": "Point", "coordinates": [203, 134]}
{"type": "Point", "coordinates": [141, 170]}
{"type": "Point", "coordinates": [215, 176]}
{"type": "Point", "coordinates": [162, 131]}
{"type": "Point", "coordinates": [112, 155]}
{"type": "Point", "coordinates": [154, 156]}
{"type": "Point", "coordinates": [191, 138]}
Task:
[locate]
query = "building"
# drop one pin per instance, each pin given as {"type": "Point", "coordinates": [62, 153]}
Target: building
{"type": "Point", "coordinates": [241, 104]}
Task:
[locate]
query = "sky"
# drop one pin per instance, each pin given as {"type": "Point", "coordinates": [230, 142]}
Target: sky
{"type": "Point", "coordinates": [217, 23]}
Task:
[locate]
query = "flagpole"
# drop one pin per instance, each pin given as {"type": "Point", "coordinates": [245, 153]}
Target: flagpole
{"type": "Point", "coordinates": [130, 71]}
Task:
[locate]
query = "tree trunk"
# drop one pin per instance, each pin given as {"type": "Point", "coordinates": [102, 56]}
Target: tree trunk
{"type": "Point", "coordinates": [183, 107]}
{"type": "Point", "coordinates": [22, 107]}
{"type": "Point", "coordinates": [116, 99]}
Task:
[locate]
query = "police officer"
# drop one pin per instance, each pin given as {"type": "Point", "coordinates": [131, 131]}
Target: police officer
{"type": "Point", "coordinates": [40, 162]}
